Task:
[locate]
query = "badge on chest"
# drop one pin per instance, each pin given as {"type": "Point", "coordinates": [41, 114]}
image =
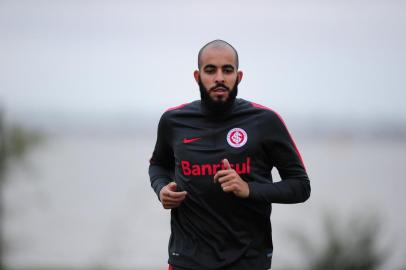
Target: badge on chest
{"type": "Point", "coordinates": [237, 137]}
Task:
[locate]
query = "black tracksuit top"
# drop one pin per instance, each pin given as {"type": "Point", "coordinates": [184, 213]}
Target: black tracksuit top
{"type": "Point", "coordinates": [213, 229]}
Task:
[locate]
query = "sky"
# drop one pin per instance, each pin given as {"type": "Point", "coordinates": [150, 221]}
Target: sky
{"type": "Point", "coordinates": [330, 58]}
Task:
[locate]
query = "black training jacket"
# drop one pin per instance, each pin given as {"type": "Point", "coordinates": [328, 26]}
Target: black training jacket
{"type": "Point", "coordinates": [212, 229]}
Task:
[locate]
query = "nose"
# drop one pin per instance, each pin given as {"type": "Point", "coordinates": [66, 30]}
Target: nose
{"type": "Point", "coordinates": [219, 76]}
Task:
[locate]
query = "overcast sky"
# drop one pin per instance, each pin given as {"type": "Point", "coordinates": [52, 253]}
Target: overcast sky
{"type": "Point", "coordinates": [299, 57]}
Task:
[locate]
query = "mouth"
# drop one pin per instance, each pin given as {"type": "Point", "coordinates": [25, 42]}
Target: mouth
{"type": "Point", "coordinates": [219, 93]}
{"type": "Point", "coordinates": [219, 89]}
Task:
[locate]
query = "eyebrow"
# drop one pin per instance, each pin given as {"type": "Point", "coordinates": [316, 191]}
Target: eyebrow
{"type": "Point", "coordinates": [228, 66]}
{"type": "Point", "coordinates": [213, 66]}
{"type": "Point", "coordinates": [209, 66]}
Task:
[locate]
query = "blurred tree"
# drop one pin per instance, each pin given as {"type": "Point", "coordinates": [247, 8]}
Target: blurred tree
{"type": "Point", "coordinates": [353, 246]}
{"type": "Point", "coordinates": [14, 144]}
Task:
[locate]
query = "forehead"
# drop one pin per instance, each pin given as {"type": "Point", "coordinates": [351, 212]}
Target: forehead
{"type": "Point", "coordinates": [218, 56]}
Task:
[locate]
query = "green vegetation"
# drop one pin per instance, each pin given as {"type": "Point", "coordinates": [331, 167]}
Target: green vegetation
{"type": "Point", "coordinates": [14, 144]}
{"type": "Point", "coordinates": [348, 244]}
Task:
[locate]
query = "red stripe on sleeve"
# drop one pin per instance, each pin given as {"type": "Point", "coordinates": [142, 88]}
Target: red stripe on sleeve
{"type": "Point", "coordinates": [177, 107]}
{"type": "Point", "coordinates": [259, 106]}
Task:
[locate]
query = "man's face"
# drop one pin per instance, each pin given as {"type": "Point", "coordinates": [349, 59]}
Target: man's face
{"type": "Point", "coordinates": [218, 73]}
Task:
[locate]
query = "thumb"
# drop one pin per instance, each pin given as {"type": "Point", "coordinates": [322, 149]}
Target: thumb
{"type": "Point", "coordinates": [226, 164]}
{"type": "Point", "coordinates": [172, 186]}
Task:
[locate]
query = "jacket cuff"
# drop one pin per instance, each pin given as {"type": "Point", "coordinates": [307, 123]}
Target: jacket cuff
{"type": "Point", "coordinates": [159, 184]}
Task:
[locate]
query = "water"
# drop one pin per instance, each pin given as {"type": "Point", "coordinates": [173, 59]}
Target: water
{"type": "Point", "coordinates": [86, 201]}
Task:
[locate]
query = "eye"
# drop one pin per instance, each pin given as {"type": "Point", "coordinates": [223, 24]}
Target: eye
{"type": "Point", "coordinates": [228, 70]}
{"type": "Point", "coordinates": [210, 70]}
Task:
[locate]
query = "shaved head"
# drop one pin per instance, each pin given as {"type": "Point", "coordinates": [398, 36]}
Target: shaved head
{"type": "Point", "coordinates": [219, 44]}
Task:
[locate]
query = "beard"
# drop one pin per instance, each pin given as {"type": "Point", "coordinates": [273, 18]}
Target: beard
{"type": "Point", "coordinates": [220, 105]}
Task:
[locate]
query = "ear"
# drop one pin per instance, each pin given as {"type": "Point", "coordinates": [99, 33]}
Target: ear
{"type": "Point", "coordinates": [239, 76]}
{"type": "Point", "coordinates": [196, 75]}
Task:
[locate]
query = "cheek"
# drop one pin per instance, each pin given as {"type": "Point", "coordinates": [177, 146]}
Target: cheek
{"type": "Point", "coordinates": [206, 81]}
{"type": "Point", "coordinates": [231, 81]}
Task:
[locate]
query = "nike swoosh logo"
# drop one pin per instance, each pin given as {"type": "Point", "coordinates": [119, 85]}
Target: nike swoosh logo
{"type": "Point", "coordinates": [186, 140]}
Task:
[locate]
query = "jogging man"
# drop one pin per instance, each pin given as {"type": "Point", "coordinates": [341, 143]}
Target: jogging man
{"type": "Point", "coordinates": [212, 167]}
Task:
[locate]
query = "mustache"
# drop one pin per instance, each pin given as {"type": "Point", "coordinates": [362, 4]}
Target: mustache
{"type": "Point", "coordinates": [219, 85]}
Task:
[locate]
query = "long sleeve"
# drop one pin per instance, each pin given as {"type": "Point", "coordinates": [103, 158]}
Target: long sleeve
{"type": "Point", "coordinates": [161, 167]}
{"type": "Point", "coordinates": [282, 153]}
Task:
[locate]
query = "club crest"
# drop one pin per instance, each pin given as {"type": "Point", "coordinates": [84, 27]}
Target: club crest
{"type": "Point", "coordinates": [237, 137]}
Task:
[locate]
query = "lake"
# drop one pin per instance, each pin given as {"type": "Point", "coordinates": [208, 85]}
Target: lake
{"type": "Point", "coordinates": [85, 201]}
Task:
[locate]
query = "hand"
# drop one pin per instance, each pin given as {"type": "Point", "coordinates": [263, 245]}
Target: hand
{"type": "Point", "coordinates": [231, 182]}
{"type": "Point", "coordinates": [170, 198]}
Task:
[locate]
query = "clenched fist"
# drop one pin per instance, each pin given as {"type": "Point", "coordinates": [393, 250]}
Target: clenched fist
{"type": "Point", "coordinates": [169, 197]}
{"type": "Point", "coordinates": [231, 181]}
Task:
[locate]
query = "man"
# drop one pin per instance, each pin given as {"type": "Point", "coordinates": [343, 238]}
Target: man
{"type": "Point", "coordinates": [212, 167]}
